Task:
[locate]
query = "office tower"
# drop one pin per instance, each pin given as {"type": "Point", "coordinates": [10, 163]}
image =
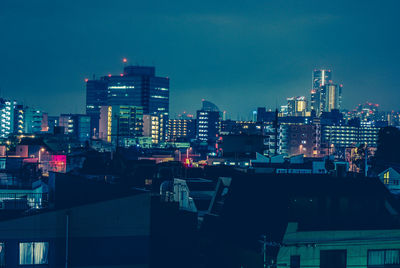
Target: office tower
{"type": "Point", "coordinates": [77, 125]}
{"type": "Point", "coordinates": [333, 97]}
{"type": "Point", "coordinates": [120, 123]}
{"type": "Point", "coordinates": [325, 95]}
{"type": "Point", "coordinates": [96, 96]}
{"type": "Point", "coordinates": [208, 122]}
{"type": "Point", "coordinates": [320, 78]}
{"type": "Point", "coordinates": [136, 86]}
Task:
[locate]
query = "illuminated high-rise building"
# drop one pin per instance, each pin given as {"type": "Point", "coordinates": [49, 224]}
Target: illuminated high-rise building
{"type": "Point", "coordinates": [325, 95]}
{"type": "Point", "coordinates": [296, 106]}
{"type": "Point", "coordinates": [120, 123]}
{"type": "Point", "coordinates": [333, 97]}
{"type": "Point", "coordinates": [321, 77]}
{"type": "Point", "coordinates": [136, 86]}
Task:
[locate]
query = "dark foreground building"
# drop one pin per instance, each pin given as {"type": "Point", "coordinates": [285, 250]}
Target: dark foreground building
{"type": "Point", "coordinates": [98, 225]}
{"type": "Point", "coordinates": [299, 211]}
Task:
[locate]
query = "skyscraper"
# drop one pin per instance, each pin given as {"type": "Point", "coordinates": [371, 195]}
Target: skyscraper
{"type": "Point", "coordinates": [325, 95]}
{"type": "Point", "coordinates": [136, 86]}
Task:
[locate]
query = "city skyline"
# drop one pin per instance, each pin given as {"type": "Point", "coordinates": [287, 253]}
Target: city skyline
{"type": "Point", "coordinates": [235, 56]}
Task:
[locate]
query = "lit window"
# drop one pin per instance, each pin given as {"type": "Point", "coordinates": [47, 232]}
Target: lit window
{"type": "Point", "coordinates": [386, 177]}
{"type": "Point", "coordinates": [33, 253]}
{"type": "Point", "coordinates": [383, 258]}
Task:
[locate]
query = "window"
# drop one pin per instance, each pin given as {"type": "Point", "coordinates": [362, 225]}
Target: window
{"type": "Point", "coordinates": [333, 258]}
{"type": "Point", "coordinates": [33, 253]}
{"type": "Point", "coordinates": [295, 261]}
{"type": "Point", "coordinates": [386, 177]}
{"type": "Point", "coordinates": [383, 258]}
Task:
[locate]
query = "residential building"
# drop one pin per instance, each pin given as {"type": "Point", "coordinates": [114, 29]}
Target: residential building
{"type": "Point", "coordinates": [77, 125]}
{"type": "Point", "coordinates": [208, 122]}
{"type": "Point", "coordinates": [390, 177]}
{"type": "Point", "coordinates": [151, 128]}
{"type": "Point", "coordinates": [7, 117]}
{"type": "Point", "coordinates": [339, 248]}
{"type": "Point", "coordinates": [208, 125]}
{"type": "Point", "coordinates": [343, 136]}
{"type": "Point", "coordinates": [33, 120]}
{"type": "Point", "coordinates": [181, 129]}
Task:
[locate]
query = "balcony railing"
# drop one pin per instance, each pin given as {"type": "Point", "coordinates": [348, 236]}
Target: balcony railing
{"type": "Point", "coordinates": [23, 201]}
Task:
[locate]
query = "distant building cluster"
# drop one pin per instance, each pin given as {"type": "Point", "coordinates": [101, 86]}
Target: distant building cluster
{"type": "Point", "coordinates": [128, 185]}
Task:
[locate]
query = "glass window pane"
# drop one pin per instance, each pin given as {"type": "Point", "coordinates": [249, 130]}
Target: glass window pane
{"type": "Point", "coordinates": [25, 253]}
{"type": "Point", "coordinates": [40, 252]}
{"type": "Point", "coordinates": [392, 257]}
{"type": "Point", "coordinates": [376, 257]}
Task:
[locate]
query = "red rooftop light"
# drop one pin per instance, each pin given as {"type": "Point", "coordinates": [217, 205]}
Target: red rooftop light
{"type": "Point", "coordinates": [125, 60]}
{"type": "Point", "coordinates": [109, 75]}
{"type": "Point", "coordinates": [86, 79]}
{"type": "Point", "coordinates": [121, 74]}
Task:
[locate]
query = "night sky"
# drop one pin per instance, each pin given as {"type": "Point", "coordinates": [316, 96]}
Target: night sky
{"type": "Point", "coordinates": [237, 54]}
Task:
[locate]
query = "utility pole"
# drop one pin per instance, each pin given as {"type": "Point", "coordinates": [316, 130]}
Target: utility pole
{"type": "Point", "coordinates": [366, 161]}
{"type": "Point", "coordinates": [264, 249]}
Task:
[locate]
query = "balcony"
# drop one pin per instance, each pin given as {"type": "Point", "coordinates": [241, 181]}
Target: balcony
{"type": "Point", "coordinates": [23, 201]}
